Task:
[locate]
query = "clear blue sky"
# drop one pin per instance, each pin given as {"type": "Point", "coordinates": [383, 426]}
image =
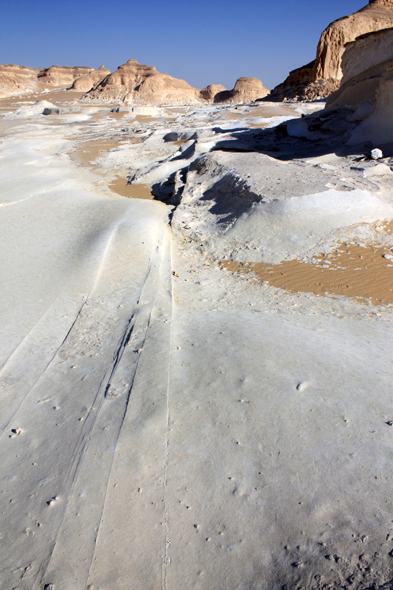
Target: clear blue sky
{"type": "Point", "coordinates": [202, 42]}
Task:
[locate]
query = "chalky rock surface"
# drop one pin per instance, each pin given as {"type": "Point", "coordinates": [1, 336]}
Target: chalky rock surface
{"type": "Point", "coordinates": [169, 419]}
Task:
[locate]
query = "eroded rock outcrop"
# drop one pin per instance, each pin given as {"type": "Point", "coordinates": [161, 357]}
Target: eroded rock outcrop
{"type": "Point", "coordinates": [211, 91]}
{"type": "Point", "coordinates": [321, 77]}
{"type": "Point", "coordinates": [86, 83]}
{"type": "Point", "coordinates": [136, 83]}
{"type": "Point", "coordinates": [246, 89]}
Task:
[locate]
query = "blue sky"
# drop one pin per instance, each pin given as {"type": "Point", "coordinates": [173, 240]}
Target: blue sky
{"type": "Point", "coordinates": [204, 42]}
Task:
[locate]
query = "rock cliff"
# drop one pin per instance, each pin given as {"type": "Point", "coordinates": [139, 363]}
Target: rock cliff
{"type": "Point", "coordinates": [367, 87]}
{"type": "Point", "coordinates": [322, 76]}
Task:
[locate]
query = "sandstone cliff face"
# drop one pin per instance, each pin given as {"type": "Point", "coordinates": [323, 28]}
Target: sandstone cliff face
{"type": "Point", "coordinates": [367, 87]}
{"type": "Point", "coordinates": [133, 82]}
{"type": "Point", "coordinates": [374, 17]}
{"type": "Point", "coordinates": [321, 77]}
{"type": "Point", "coordinates": [86, 83]}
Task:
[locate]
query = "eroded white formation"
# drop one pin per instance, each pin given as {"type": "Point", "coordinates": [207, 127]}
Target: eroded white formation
{"type": "Point", "coordinates": [167, 424]}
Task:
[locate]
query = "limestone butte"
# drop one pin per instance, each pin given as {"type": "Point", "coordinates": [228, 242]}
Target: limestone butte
{"type": "Point", "coordinates": [86, 83]}
{"type": "Point", "coordinates": [136, 83]}
{"type": "Point", "coordinates": [322, 76]}
{"type": "Point", "coordinates": [246, 90]}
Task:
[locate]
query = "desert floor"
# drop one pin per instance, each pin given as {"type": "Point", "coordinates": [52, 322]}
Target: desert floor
{"type": "Point", "coordinates": [196, 393]}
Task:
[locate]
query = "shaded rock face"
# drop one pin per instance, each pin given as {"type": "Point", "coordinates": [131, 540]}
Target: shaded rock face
{"type": "Point", "coordinates": [321, 77]}
{"type": "Point", "coordinates": [246, 90]}
{"type": "Point", "coordinates": [86, 83]}
{"type": "Point", "coordinates": [367, 87]}
{"type": "Point", "coordinates": [133, 82]}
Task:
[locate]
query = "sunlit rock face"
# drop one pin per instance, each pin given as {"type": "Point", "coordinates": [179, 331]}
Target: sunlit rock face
{"type": "Point", "coordinates": [321, 77]}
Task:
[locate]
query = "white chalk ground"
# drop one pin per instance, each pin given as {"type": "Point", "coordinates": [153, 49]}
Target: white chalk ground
{"type": "Point", "coordinates": [166, 424]}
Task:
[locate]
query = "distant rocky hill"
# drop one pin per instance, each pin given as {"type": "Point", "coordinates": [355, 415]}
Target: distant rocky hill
{"type": "Point", "coordinates": [131, 82]}
{"type": "Point", "coordinates": [322, 76]}
{"type": "Point", "coordinates": [21, 79]}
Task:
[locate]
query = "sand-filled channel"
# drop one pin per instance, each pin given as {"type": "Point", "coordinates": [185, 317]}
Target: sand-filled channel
{"type": "Point", "coordinates": [350, 270]}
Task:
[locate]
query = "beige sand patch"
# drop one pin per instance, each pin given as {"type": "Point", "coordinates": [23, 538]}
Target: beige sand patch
{"type": "Point", "coordinates": [132, 191]}
{"type": "Point", "coordinates": [350, 270]}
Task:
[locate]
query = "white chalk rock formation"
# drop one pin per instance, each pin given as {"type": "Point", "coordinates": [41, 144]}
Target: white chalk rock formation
{"type": "Point", "coordinates": [86, 83]}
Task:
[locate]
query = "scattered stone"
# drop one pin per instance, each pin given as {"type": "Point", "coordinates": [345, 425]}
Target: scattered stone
{"type": "Point", "coordinates": [376, 154]}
